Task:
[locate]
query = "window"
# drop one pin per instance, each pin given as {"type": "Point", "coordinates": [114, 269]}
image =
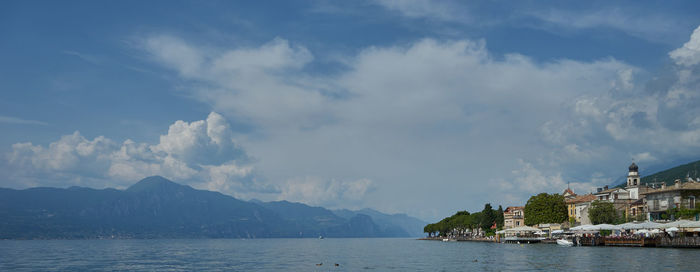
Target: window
{"type": "Point", "coordinates": [635, 181]}
{"type": "Point", "coordinates": [691, 202]}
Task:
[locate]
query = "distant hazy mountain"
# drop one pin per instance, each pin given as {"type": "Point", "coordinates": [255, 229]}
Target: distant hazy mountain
{"type": "Point", "coordinates": [397, 224]}
{"type": "Point", "coordinates": [158, 208]}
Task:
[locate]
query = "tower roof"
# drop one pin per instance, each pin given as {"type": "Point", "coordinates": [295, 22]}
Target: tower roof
{"type": "Point", "coordinates": [634, 168]}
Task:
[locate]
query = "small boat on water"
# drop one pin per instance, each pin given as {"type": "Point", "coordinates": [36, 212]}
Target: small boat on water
{"type": "Point", "coordinates": [445, 240]}
{"type": "Point", "coordinates": [564, 242]}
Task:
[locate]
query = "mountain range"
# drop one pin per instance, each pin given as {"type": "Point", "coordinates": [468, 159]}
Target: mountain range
{"type": "Point", "coordinates": [159, 208]}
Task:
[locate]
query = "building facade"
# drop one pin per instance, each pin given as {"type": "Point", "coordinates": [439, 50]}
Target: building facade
{"type": "Point", "coordinates": [577, 205]}
{"type": "Point", "coordinates": [513, 216]}
{"type": "Point", "coordinates": [679, 195]}
{"type": "Point", "coordinates": [625, 200]}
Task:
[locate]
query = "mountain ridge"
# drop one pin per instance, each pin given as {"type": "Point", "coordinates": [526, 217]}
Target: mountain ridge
{"type": "Point", "coordinates": [156, 207]}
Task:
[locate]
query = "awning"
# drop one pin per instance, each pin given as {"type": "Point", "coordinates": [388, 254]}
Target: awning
{"type": "Point", "coordinates": [691, 224]}
{"type": "Point", "coordinates": [521, 229]}
{"type": "Point", "coordinates": [674, 224]}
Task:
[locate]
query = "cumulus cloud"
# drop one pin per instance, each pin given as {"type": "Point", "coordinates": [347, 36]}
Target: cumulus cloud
{"type": "Point", "coordinates": [529, 180]}
{"type": "Point", "coordinates": [657, 118]}
{"type": "Point", "coordinates": [401, 114]}
{"type": "Point", "coordinates": [428, 112]}
{"type": "Point", "coordinates": [689, 54]}
{"type": "Point", "coordinates": [331, 193]}
{"type": "Point", "coordinates": [229, 76]}
{"type": "Point", "coordinates": [201, 153]}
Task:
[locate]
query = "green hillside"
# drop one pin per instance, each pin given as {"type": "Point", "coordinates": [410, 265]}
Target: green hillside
{"type": "Point", "coordinates": [678, 172]}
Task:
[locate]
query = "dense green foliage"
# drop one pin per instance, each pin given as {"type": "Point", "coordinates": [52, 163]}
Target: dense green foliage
{"type": "Point", "coordinates": [678, 172]}
{"type": "Point", "coordinates": [545, 208]}
{"type": "Point", "coordinates": [602, 212]}
{"type": "Point", "coordinates": [683, 213]}
{"type": "Point", "coordinates": [488, 216]}
{"type": "Point", "coordinates": [464, 222]}
{"type": "Point", "coordinates": [500, 220]}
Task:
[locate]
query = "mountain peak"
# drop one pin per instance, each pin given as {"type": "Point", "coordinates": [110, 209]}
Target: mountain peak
{"type": "Point", "coordinates": [154, 183]}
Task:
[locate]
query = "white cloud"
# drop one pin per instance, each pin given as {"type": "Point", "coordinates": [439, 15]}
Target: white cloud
{"type": "Point", "coordinates": [428, 115]}
{"type": "Point", "coordinates": [633, 22]}
{"type": "Point", "coordinates": [201, 153]}
{"type": "Point", "coordinates": [250, 83]}
{"type": "Point", "coordinates": [397, 115]}
{"type": "Point", "coordinates": [689, 54]}
{"type": "Point", "coordinates": [329, 193]}
{"type": "Point", "coordinates": [15, 120]}
{"type": "Point", "coordinates": [529, 180]}
{"type": "Point", "coordinates": [69, 153]}
{"type": "Point", "coordinates": [643, 157]}
{"type": "Point", "coordinates": [441, 10]}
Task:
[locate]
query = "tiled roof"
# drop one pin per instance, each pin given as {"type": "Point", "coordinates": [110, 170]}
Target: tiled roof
{"type": "Point", "coordinates": [608, 191]}
{"type": "Point", "coordinates": [638, 202]}
{"type": "Point", "coordinates": [682, 186]}
{"type": "Point", "coordinates": [581, 199]}
{"type": "Point", "coordinates": [512, 208]}
{"type": "Point", "coordinates": [569, 191]}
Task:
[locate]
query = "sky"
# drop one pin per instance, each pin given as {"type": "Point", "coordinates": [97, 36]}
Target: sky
{"type": "Point", "coordinates": [418, 107]}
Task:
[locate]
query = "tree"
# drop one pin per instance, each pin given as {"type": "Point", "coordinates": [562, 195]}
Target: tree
{"type": "Point", "coordinates": [499, 217]}
{"type": "Point", "coordinates": [545, 208]}
{"type": "Point", "coordinates": [488, 216]}
{"type": "Point", "coordinates": [602, 212]}
{"type": "Point", "coordinates": [430, 229]}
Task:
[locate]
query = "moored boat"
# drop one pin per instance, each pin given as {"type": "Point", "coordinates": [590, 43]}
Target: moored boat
{"type": "Point", "coordinates": [564, 242]}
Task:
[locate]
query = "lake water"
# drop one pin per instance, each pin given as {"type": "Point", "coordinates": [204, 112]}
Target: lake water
{"type": "Point", "coordinates": [351, 255]}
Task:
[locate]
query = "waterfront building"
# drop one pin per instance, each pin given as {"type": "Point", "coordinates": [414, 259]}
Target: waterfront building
{"type": "Point", "coordinates": [513, 216]}
{"type": "Point", "coordinates": [577, 205]}
{"type": "Point", "coordinates": [638, 209]}
{"type": "Point", "coordinates": [679, 195]}
{"type": "Point", "coordinates": [582, 212]}
{"type": "Point", "coordinates": [625, 200]}
{"type": "Point", "coordinates": [568, 193]}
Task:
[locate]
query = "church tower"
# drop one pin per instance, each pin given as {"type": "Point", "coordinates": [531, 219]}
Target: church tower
{"type": "Point", "coordinates": [633, 181]}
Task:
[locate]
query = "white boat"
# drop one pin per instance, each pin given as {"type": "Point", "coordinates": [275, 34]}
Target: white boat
{"type": "Point", "coordinates": [445, 240]}
{"type": "Point", "coordinates": [564, 242]}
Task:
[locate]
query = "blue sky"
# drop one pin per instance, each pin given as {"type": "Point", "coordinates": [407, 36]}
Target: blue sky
{"type": "Point", "coordinates": [420, 107]}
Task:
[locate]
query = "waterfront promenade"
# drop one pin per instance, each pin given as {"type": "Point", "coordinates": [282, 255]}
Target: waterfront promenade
{"type": "Point", "coordinates": [609, 241]}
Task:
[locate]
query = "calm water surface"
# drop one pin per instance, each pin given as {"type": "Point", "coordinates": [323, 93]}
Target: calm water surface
{"type": "Point", "coordinates": [350, 254]}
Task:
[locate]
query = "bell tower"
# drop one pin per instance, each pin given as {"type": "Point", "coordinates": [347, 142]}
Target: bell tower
{"type": "Point", "coordinates": [633, 181]}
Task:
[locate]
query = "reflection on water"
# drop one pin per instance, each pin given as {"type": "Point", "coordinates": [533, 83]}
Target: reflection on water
{"type": "Point", "coordinates": [349, 254]}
